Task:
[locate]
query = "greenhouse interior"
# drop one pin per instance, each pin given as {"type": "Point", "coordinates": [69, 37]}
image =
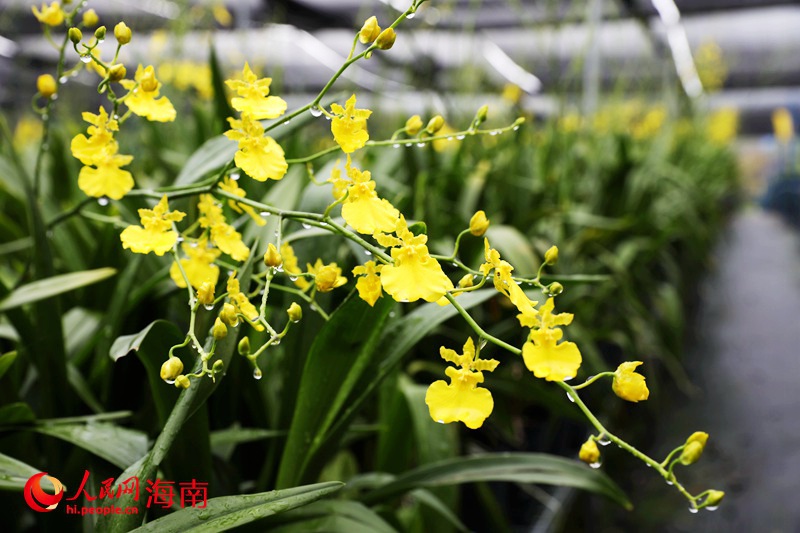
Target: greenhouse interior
{"type": "Point", "coordinates": [399, 265]}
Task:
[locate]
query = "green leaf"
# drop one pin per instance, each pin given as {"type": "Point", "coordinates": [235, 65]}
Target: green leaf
{"type": "Point", "coordinates": [17, 413]}
{"type": "Point", "coordinates": [228, 512]}
{"type": "Point", "coordinates": [212, 155]}
{"type": "Point", "coordinates": [6, 360]}
{"type": "Point", "coordinates": [119, 446]}
{"type": "Point", "coordinates": [14, 474]}
{"type": "Point", "coordinates": [515, 248]}
{"type": "Point", "coordinates": [222, 108]}
{"type": "Point", "coordinates": [512, 467]}
{"type": "Point", "coordinates": [45, 288]}
{"type": "Point", "coordinates": [224, 441]}
{"type": "Point", "coordinates": [341, 353]}
{"type": "Point", "coordinates": [337, 516]}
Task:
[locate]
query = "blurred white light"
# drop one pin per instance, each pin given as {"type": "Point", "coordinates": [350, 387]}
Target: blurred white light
{"type": "Point", "coordinates": [509, 69]}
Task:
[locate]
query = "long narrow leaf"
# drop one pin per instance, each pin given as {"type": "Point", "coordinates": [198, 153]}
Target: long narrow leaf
{"type": "Point", "coordinates": [48, 287]}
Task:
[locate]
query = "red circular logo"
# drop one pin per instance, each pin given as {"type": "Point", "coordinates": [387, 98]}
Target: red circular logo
{"type": "Point", "coordinates": [35, 496]}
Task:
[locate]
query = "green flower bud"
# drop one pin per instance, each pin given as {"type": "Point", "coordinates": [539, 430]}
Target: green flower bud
{"type": "Point", "coordinates": [713, 498]}
{"type": "Point", "coordinates": [555, 288]}
{"type": "Point", "coordinates": [171, 369]}
{"type": "Point", "coordinates": [435, 124]}
{"type": "Point", "coordinates": [219, 331]}
{"type": "Point", "coordinates": [480, 116]}
{"type": "Point", "coordinates": [123, 33]}
{"type": "Point", "coordinates": [100, 33]}
{"type": "Point", "coordinates": [218, 366]}
{"type": "Point", "coordinates": [386, 39]}
{"type": "Point", "coordinates": [75, 35]}
{"type": "Point", "coordinates": [244, 346]}
{"type": "Point", "coordinates": [551, 256]}
{"type": "Point", "coordinates": [295, 312]}
{"type": "Point", "coordinates": [117, 72]}
{"type": "Point", "coordinates": [693, 448]}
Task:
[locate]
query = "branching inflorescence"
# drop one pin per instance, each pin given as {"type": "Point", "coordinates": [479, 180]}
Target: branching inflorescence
{"type": "Point", "coordinates": [401, 265]}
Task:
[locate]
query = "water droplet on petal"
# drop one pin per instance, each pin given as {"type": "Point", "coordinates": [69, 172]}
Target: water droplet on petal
{"type": "Point", "coordinates": [102, 201]}
{"type": "Point", "coordinates": [306, 226]}
{"type": "Point", "coordinates": [315, 111]}
{"type": "Point", "coordinates": [62, 80]}
{"type": "Point", "coordinates": [209, 307]}
{"type": "Point", "coordinates": [257, 374]}
{"type": "Point", "coordinates": [693, 510]}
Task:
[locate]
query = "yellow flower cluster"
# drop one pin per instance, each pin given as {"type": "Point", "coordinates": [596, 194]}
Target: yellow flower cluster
{"type": "Point", "coordinates": [260, 157]}
{"type": "Point", "coordinates": [51, 15]}
{"type": "Point", "coordinates": [155, 234]}
{"type": "Point", "coordinates": [101, 174]}
{"type": "Point", "coordinates": [462, 400]}
{"type": "Point", "coordinates": [362, 209]}
{"type": "Point", "coordinates": [199, 265]}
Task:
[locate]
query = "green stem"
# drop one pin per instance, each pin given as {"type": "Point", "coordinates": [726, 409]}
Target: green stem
{"type": "Point", "coordinates": [592, 380]}
{"type": "Point", "coordinates": [479, 330]}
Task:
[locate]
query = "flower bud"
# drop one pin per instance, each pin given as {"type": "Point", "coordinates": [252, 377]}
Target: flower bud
{"type": "Point", "coordinates": [219, 331]}
{"type": "Point", "coordinates": [629, 384]}
{"type": "Point", "coordinates": [171, 369]}
{"type": "Point", "coordinates": [123, 33]}
{"type": "Point", "coordinates": [244, 346]}
{"type": "Point", "coordinates": [435, 124]}
{"type": "Point", "coordinates": [328, 278]}
{"type": "Point", "coordinates": [75, 35]}
{"type": "Point", "coordinates": [555, 288]}
{"type": "Point", "coordinates": [693, 448]}
{"type": "Point", "coordinates": [480, 116]}
{"type": "Point", "coordinates": [589, 453]}
{"type": "Point", "coordinates": [551, 256]}
{"type": "Point", "coordinates": [218, 366]}
{"type": "Point", "coordinates": [369, 31]}
{"type": "Point", "coordinates": [295, 312]}
{"type": "Point", "coordinates": [148, 82]}
{"type": "Point", "coordinates": [478, 224]}
{"type": "Point", "coordinates": [46, 85]}
{"type": "Point", "coordinates": [713, 498]}
{"type": "Point", "coordinates": [272, 258]}
{"type": "Point", "coordinates": [90, 18]}
{"type": "Point", "coordinates": [414, 125]}
{"type": "Point", "coordinates": [386, 39]}
{"type": "Point", "coordinates": [182, 382]}
{"type": "Point", "coordinates": [466, 281]}
{"type": "Point", "coordinates": [205, 294]}
{"type": "Point", "coordinates": [100, 33]}
{"type": "Point", "coordinates": [117, 72]}
{"type": "Point", "coordinates": [228, 315]}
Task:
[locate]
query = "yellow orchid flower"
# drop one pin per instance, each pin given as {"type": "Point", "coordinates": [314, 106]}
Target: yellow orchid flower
{"type": "Point", "coordinates": [155, 234]}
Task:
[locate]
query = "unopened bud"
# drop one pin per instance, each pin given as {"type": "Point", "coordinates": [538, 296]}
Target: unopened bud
{"type": "Point", "coordinates": [589, 452]}
{"type": "Point", "coordinates": [219, 331]}
{"type": "Point", "coordinates": [478, 224]}
{"type": "Point", "coordinates": [123, 33]}
{"type": "Point", "coordinates": [386, 39]}
{"type": "Point", "coordinates": [75, 35]}
{"type": "Point", "coordinates": [90, 18]}
{"type": "Point", "coordinates": [693, 448]}
{"type": "Point", "coordinates": [551, 255]}
{"type": "Point", "coordinates": [205, 294]}
{"type": "Point", "coordinates": [414, 125]}
{"type": "Point", "coordinates": [713, 498]}
{"type": "Point", "coordinates": [480, 116]}
{"type": "Point", "coordinates": [182, 382]}
{"type": "Point", "coordinates": [244, 346]}
{"type": "Point", "coordinates": [171, 369]}
{"type": "Point", "coordinates": [272, 258]}
{"type": "Point", "coordinates": [295, 312]}
{"type": "Point", "coordinates": [46, 85]}
{"type": "Point", "coordinates": [218, 366]}
{"type": "Point", "coordinates": [369, 31]}
{"type": "Point", "coordinates": [466, 281]}
{"type": "Point", "coordinates": [148, 82]}
{"type": "Point", "coordinates": [117, 72]}
{"type": "Point", "coordinates": [555, 288]}
{"type": "Point", "coordinates": [228, 315]}
{"type": "Point", "coordinates": [435, 124]}
{"type": "Point", "coordinates": [100, 33]}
